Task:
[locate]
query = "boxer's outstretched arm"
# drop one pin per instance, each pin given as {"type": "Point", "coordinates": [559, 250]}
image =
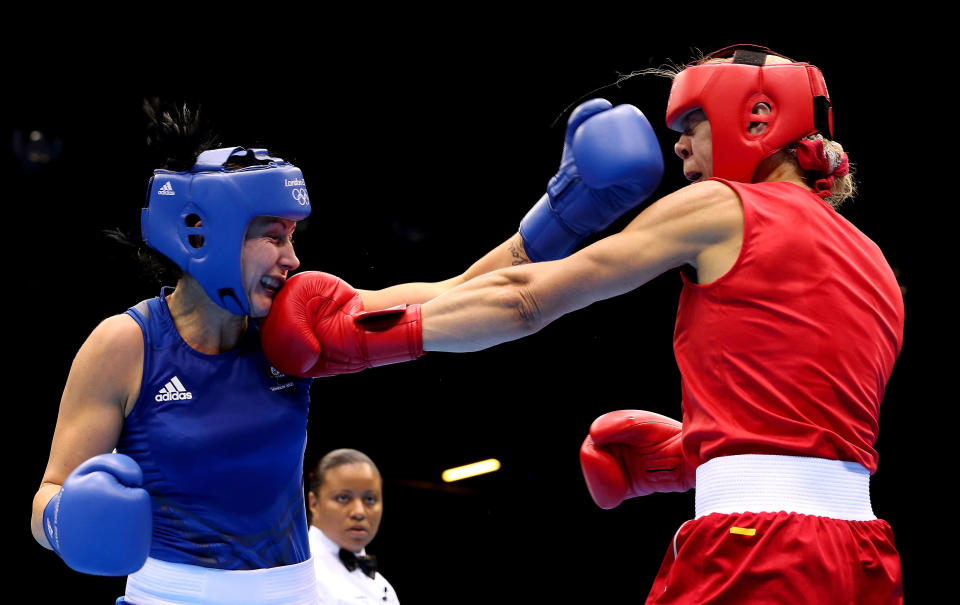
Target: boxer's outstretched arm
{"type": "Point", "coordinates": [700, 225]}
{"type": "Point", "coordinates": [319, 326]}
{"type": "Point", "coordinates": [509, 253]}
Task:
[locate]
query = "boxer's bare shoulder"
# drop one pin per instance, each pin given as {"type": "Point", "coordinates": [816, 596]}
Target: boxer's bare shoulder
{"type": "Point", "coordinates": [110, 363]}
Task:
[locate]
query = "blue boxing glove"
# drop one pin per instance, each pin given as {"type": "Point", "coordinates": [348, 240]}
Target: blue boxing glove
{"type": "Point", "coordinates": [611, 163]}
{"type": "Point", "coordinates": [100, 520]}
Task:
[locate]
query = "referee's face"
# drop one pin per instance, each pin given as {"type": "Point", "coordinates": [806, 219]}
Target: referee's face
{"type": "Point", "coordinates": [349, 505]}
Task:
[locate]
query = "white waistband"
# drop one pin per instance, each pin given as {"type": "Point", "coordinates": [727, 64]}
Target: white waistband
{"type": "Point", "coordinates": [162, 583]}
{"type": "Point", "coordinates": [761, 483]}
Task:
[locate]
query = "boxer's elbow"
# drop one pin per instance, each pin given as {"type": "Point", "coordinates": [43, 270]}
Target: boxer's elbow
{"type": "Point", "coordinates": [522, 304]}
{"type": "Point", "coordinates": [528, 311]}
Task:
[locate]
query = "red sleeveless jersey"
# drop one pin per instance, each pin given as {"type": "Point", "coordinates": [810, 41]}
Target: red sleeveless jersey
{"type": "Point", "coordinates": [789, 351]}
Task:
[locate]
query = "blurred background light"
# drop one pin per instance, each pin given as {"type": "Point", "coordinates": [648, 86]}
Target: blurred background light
{"type": "Point", "coordinates": [471, 470]}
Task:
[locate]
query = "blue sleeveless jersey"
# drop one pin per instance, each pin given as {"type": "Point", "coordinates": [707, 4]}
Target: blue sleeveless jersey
{"type": "Point", "coordinates": [220, 439]}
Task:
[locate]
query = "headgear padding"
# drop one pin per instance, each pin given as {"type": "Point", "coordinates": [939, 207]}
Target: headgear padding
{"type": "Point", "coordinates": [728, 92]}
{"type": "Point", "coordinates": [218, 204]}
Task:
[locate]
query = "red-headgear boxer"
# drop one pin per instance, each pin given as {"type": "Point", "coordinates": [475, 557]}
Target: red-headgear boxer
{"type": "Point", "coordinates": [728, 92]}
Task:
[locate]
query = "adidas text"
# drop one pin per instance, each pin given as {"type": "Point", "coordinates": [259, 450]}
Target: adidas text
{"type": "Point", "coordinates": [173, 391]}
{"type": "Point", "coordinates": [173, 396]}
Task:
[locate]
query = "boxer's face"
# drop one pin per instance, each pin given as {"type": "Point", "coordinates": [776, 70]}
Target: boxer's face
{"type": "Point", "coordinates": [267, 259]}
{"type": "Point", "coordinates": [349, 506]}
{"type": "Point", "coordinates": [695, 147]}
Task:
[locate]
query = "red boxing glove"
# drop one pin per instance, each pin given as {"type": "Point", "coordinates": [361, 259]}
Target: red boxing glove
{"type": "Point", "coordinates": [317, 327]}
{"type": "Point", "coordinates": [631, 453]}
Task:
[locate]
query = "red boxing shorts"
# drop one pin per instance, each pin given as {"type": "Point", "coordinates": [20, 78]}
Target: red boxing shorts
{"type": "Point", "coordinates": [779, 559]}
{"type": "Point", "coordinates": [814, 538]}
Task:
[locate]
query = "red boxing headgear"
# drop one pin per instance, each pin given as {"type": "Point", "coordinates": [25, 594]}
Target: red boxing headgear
{"type": "Point", "coordinates": [727, 92]}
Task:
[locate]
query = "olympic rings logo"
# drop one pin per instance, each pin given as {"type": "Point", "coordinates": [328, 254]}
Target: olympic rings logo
{"type": "Point", "coordinates": [300, 194]}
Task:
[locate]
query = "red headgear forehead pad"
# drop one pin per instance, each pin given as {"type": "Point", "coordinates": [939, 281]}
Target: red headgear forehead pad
{"type": "Point", "coordinates": [728, 91]}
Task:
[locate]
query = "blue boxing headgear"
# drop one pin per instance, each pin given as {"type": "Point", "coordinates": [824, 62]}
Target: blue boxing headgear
{"type": "Point", "coordinates": [217, 204]}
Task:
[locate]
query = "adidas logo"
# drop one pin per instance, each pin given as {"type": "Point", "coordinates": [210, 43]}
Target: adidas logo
{"type": "Point", "coordinates": [167, 189]}
{"type": "Point", "coordinates": [173, 391]}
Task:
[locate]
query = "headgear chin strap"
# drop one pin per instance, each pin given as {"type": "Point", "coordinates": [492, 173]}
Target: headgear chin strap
{"type": "Point", "coordinates": [198, 218]}
{"type": "Point", "coordinates": [728, 92]}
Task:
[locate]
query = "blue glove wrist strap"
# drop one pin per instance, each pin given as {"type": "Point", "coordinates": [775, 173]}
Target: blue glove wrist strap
{"type": "Point", "coordinates": [50, 527]}
{"type": "Point", "coordinates": [545, 235]}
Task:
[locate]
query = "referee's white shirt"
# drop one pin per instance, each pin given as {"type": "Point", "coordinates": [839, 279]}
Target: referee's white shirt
{"type": "Point", "coordinates": [336, 585]}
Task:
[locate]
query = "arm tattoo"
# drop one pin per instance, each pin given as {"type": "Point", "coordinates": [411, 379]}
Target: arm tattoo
{"type": "Point", "coordinates": [519, 257]}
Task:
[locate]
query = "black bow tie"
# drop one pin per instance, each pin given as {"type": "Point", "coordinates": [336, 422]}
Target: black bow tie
{"type": "Point", "coordinates": [367, 564]}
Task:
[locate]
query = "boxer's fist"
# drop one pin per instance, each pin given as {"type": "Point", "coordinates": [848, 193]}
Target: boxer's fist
{"type": "Point", "coordinates": [631, 453]}
{"type": "Point", "coordinates": [317, 327]}
{"type": "Point", "coordinates": [100, 521]}
{"type": "Point", "coordinates": [611, 162]}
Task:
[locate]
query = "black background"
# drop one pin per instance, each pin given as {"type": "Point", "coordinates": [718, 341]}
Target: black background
{"type": "Point", "coordinates": [423, 146]}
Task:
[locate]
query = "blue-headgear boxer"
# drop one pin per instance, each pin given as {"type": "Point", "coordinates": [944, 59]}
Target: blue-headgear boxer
{"type": "Point", "coordinates": [198, 218]}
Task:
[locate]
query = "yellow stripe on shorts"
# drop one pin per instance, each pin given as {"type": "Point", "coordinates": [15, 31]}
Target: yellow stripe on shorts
{"type": "Point", "coordinates": [743, 531]}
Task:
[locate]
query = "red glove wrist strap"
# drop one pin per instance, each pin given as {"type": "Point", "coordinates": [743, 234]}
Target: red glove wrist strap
{"type": "Point", "coordinates": [391, 335]}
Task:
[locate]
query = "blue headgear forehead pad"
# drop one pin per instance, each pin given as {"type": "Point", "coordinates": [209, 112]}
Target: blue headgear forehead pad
{"type": "Point", "coordinates": [198, 218]}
